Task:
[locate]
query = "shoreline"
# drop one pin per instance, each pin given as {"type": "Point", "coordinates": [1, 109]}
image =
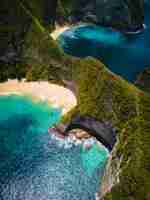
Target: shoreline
{"type": "Point", "coordinates": [59, 30]}
{"type": "Point", "coordinates": [57, 96]}
{"type": "Point", "coordinates": [76, 138]}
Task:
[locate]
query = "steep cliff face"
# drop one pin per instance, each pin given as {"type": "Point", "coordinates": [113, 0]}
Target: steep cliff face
{"type": "Point", "coordinates": [133, 158]}
{"type": "Point", "coordinates": [121, 14]}
{"type": "Point", "coordinates": [108, 97]}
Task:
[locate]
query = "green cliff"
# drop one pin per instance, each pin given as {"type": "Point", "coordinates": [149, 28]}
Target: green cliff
{"type": "Point", "coordinates": [121, 14]}
{"type": "Point", "coordinates": [107, 97]}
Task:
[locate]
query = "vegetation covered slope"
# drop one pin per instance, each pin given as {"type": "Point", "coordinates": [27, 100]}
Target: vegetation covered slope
{"type": "Point", "coordinates": [133, 146]}
{"type": "Point", "coordinates": [100, 94]}
{"type": "Point", "coordinates": [107, 97]}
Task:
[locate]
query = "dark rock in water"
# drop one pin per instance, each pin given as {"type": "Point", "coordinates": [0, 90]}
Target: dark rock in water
{"type": "Point", "coordinates": [143, 80]}
{"type": "Point", "coordinates": [103, 132]}
{"type": "Point", "coordinates": [125, 15]}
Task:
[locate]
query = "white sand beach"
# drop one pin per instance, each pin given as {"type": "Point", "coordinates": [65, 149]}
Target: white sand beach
{"type": "Point", "coordinates": [56, 95]}
{"type": "Point", "coordinates": [59, 29]}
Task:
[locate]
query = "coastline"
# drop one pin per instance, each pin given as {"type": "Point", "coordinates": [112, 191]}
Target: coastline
{"type": "Point", "coordinates": [58, 30]}
{"type": "Point", "coordinates": [57, 96]}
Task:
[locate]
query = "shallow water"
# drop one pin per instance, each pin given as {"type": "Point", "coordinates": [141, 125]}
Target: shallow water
{"type": "Point", "coordinates": [33, 166]}
{"type": "Point", "coordinates": [124, 54]}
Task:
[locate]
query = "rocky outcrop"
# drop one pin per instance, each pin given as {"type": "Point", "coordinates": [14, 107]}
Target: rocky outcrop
{"type": "Point", "coordinates": [103, 131]}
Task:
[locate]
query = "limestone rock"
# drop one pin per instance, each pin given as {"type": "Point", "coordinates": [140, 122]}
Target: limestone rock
{"type": "Point", "coordinates": [80, 134]}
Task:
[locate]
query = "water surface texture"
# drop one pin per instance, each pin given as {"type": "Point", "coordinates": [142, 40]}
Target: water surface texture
{"type": "Point", "coordinates": [124, 54]}
{"type": "Point", "coordinates": [33, 166]}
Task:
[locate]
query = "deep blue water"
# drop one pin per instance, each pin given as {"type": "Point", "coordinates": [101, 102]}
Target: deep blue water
{"type": "Point", "coordinates": [124, 54]}
{"type": "Point", "coordinates": [33, 166]}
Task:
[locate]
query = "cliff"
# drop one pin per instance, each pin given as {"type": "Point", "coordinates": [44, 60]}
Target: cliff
{"type": "Point", "coordinates": [28, 51]}
{"type": "Point", "coordinates": [124, 15]}
{"type": "Point", "coordinates": [107, 97]}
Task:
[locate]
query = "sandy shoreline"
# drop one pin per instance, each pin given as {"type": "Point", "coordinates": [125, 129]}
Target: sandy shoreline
{"type": "Point", "coordinates": [59, 29]}
{"type": "Point", "coordinates": [56, 95]}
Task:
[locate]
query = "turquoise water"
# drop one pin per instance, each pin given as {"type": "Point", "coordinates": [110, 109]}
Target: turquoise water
{"type": "Point", "coordinates": [33, 166]}
{"type": "Point", "coordinates": [93, 158]}
{"type": "Point", "coordinates": [124, 54]}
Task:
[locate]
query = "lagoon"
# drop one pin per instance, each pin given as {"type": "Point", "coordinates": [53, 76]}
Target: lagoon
{"type": "Point", "coordinates": [32, 164]}
{"type": "Point", "coordinates": [124, 54]}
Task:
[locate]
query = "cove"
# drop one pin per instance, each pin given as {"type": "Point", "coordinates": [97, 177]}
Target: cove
{"type": "Point", "coordinates": [124, 54]}
{"type": "Point", "coordinates": [32, 164]}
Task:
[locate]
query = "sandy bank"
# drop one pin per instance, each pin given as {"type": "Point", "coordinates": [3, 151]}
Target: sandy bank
{"type": "Point", "coordinates": [59, 29]}
{"type": "Point", "coordinates": [57, 96]}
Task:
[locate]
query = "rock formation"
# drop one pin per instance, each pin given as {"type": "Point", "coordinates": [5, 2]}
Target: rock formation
{"type": "Point", "coordinates": [102, 131]}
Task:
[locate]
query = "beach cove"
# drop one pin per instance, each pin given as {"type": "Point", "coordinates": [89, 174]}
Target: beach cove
{"type": "Point", "coordinates": [55, 95]}
{"type": "Point", "coordinates": [38, 165]}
